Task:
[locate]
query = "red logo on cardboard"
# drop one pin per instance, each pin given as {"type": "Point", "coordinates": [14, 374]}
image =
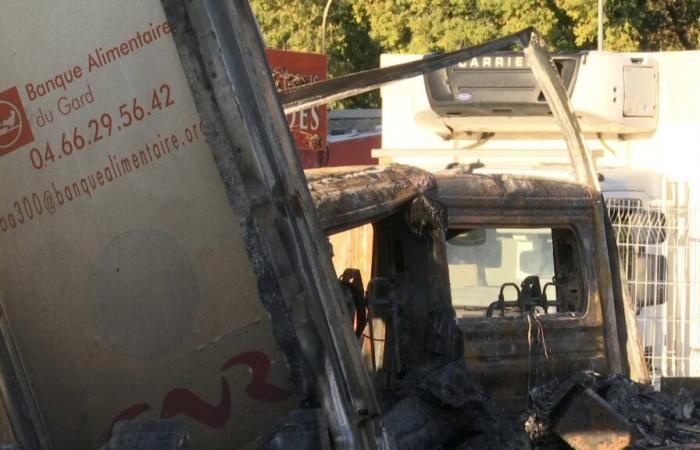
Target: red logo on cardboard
{"type": "Point", "coordinates": [15, 130]}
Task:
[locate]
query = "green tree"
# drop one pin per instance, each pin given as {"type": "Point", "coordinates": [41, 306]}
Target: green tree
{"type": "Point", "coordinates": [442, 25]}
{"type": "Point", "coordinates": [638, 25]}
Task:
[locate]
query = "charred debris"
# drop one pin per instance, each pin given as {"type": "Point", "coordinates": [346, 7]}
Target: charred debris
{"type": "Point", "coordinates": [625, 412]}
{"type": "Point", "coordinates": [446, 409]}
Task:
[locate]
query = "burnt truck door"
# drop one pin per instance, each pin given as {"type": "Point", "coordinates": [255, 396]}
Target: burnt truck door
{"type": "Point", "coordinates": [160, 257]}
{"type": "Point", "coordinates": [525, 283]}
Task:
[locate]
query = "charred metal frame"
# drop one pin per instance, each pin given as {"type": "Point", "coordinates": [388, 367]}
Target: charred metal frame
{"type": "Point", "coordinates": [225, 63]}
{"type": "Point", "coordinates": [554, 92]}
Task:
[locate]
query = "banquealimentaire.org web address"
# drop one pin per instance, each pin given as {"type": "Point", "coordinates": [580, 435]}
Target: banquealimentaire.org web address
{"type": "Point", "coordinates": [37, 204]}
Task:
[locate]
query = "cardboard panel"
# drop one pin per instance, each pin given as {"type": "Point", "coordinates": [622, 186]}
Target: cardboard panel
{"type": "Point", "coordinates": [124, 277]}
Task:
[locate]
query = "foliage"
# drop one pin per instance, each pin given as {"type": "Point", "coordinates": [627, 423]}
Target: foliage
{"type": "Point", "coordinates": [638, 25]}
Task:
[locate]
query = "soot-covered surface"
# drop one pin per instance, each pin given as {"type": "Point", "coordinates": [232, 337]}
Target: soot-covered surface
{"type": "Point", "coordinates": [444, 408]}
{"type": "Point", "coordinates": [656, 419]}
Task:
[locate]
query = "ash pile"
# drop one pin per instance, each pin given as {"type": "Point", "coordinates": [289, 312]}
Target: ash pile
{"type": "Point", "coordinates": [594, 411]}
{"type": "Point", "coordinates": [444, 408]}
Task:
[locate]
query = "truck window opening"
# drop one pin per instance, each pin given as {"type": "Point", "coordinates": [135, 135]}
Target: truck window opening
{"type": "Point", "coordinates": [505, 272]}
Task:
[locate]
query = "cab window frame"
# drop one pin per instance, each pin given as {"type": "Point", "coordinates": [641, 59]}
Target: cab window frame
{"type": "Point", "coordinates": [575, 225]}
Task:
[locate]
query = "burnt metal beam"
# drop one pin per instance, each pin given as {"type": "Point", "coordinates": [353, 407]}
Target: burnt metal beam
{"type": "Point", "coordinates": [309, 95]}
{"type": "Point", "coordinates": [550, 82]}
{"type": "Point", "coordinates": [222, 52]}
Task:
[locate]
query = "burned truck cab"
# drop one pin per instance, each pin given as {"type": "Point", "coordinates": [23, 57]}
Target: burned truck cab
{"type": "Point", "coordinates": [502, 272]}
{"type": "Point", "coordinates": [526, 285]}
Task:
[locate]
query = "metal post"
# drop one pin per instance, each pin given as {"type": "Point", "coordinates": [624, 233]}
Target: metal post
{"type": "Point", "coordinates": [308, 95]}
{"type": "Point", "coordinates": [224, 60]}
{"type": "Point", "coordinates": [323, 26]}
{"type": "Point", "coordinates": [549, 81]}
{"type": "Point", "coordinates": [601, 17]}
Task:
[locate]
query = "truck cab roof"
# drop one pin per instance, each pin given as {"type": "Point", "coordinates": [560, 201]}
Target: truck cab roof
{"type": "Point", "coordinates": [346, 197]}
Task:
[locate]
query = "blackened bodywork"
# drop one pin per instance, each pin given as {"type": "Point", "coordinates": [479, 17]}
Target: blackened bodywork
{"type": "Point", "coordinates": [413, 214]}
{"type": "Point", "coordinates": [347, 197]}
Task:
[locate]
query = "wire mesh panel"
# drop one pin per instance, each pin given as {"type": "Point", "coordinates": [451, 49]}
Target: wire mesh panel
{"type": "Point", "coordinates": [660, 253]}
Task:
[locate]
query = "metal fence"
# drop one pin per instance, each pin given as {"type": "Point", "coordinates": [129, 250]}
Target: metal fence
{"type": "Point", "coordinates": [660, 252]}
